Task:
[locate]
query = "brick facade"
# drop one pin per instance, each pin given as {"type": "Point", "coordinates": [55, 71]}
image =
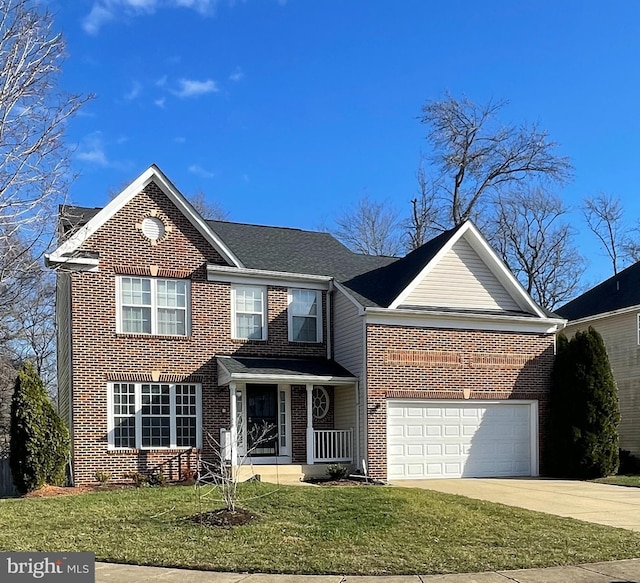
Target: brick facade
{"type": "Point", "coordinates": [101, 355]}
{"type": "Point", "coordinates": [406, 362]}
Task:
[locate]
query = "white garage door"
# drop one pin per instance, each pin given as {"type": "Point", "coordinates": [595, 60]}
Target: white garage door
{"type": "Point", "coordinates": [432, 439]}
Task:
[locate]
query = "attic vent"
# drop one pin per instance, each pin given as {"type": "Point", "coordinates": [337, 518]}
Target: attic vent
{"type": "Point", "coordinates": [153, 228]}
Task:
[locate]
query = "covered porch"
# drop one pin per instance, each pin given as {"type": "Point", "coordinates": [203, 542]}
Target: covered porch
{"type": "Point", "coordinates": [288, 411]}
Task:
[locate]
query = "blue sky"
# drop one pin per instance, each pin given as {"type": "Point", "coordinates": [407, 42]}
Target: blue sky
{"type": "Point", "coordinates": [288, 111]}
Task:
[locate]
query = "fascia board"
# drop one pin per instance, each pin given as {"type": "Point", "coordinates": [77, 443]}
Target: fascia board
{"type": "Point", "coordinates": [153, 173]}
{"type": "Point", "coordinates": [344, 291]}
{"type": "Point", "coordinates": [291, 379]}
{"type": "Point", "coordinates": [594, 317]}
{"type": "Point", "coordinates": [420, 319]}
{"type": "Point", "coordinates": [262, 277]}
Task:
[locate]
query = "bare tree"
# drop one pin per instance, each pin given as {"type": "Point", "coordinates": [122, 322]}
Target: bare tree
{"type": "Point", "coordinates": [476, 157]}
{"type": "Point", "coordinates": [605, 218]}
{"type": "Point", "coordinates": [211, 210]}
{"type": "Point", "coordinates": [423, 222]}
{"type": "Point", "coordinates": [34, 160]}
{"type": "Point", "coordinates": [537, 244]}
{"type": "Point", "coordinates": [370, 228]}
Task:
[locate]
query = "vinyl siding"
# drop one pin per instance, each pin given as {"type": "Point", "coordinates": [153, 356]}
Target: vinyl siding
{"type": "Point", "coordinates": [620, 334]}
{"type": "Point", "coordinates": [461, 279]}
{"type": "Point", "coordinates": [63, 324]}
{"type": "Point", "coordinates": [344, 411]}
{"type": "Point", "coordinates": [348, 347]}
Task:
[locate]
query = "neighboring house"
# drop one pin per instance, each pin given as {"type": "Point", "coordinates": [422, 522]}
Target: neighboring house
{"type": "Point", "coordinates": [613, 309]}
{"type": "Point", "coordinates": [173, 329]}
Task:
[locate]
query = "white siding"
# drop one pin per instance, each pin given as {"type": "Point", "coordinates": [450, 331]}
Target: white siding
{"type": "Point", "coordinates": [620, 335]}
{"type": "Point", "coordinates": [63, 324]}
{"type": "Point", "coordinates": [348, 351]}
{"type": "Point", "coordinates": [461, 279]}
{"type": "Point", "coordinates": [344, 416]}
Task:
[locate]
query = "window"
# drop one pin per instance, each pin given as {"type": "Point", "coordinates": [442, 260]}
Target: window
{"type": "Point", "coordinates": [319, 402]}
{"type": "Point", "coordinates": [153, 306]}
{"type": "Point", "coordinates": [154, 415]}
{"type": "Point", "coordinates": [249, 313]}
{"type": "Point", "coordinates": [305, 324]}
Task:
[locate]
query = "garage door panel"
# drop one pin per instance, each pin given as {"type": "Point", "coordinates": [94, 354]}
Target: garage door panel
{"type": "Point", "coordinates": [458, 440]}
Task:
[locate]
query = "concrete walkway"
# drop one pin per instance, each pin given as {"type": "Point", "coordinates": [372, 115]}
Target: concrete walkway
{"type": "Point", "coordinates": [617, 506]}
{"type": "Point", "coordinates": [613, 572]}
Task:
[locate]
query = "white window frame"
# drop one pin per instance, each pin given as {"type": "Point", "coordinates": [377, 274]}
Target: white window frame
{"type": "Point", "coordinates": [263, 313]}
{"type": "Point", "coordinates": [138, 416]}
{"type": "Point", "coordinates": [638, 327]}
{"type": "Point", "coordinates": [154, 305]}
{"type": "Point", "coordinates": [318, 316]}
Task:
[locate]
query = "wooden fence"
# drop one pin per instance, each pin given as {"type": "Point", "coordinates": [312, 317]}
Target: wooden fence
{"type": "Point", "coordinates": [6, 480]}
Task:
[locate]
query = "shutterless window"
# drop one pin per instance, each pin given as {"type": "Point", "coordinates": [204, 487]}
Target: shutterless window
{"type": "Point", "coordinates": [154, 306]}
{"type": "Point", "coordinates": [249, 313]}
{"type": "Point", "coordinates": [304, 315]}
{"type": "Point", "coordinates": [155, 415]}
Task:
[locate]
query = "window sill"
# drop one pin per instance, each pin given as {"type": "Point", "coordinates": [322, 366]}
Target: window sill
{"type": "Point", "coordinates": [160, 336]}
{"type": "Point", "coordinates": [249, 340]}
{"type": "Point", "coordinates": [133, 451]}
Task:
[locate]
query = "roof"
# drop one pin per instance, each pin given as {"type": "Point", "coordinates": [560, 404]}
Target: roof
{"type": "Point", "coordinates": [301, 369]}
{"type": "Point", "coordinates": [616, 293]}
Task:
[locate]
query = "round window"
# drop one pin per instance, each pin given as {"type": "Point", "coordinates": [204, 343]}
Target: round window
{"type": "Point", "coordinates": [153, 228]}
{"type": "Point", "coordinates": [319, 402]}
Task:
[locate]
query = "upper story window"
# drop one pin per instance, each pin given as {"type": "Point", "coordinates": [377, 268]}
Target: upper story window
{"type": "Point", "coordinates": [249, 317]}
{"type": "Point", "coordinates": [305, 322]}
{"type": "Point", "coordinates": [153, 306]}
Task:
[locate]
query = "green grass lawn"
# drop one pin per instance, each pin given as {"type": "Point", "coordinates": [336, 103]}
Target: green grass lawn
{"type": "Point", "coordinates": [350, 530]}
{"type": "Point", "coordinates": [633, 481]}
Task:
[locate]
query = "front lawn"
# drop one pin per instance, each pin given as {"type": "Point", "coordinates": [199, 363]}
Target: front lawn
{"type": "Point", "coordinates": [620, 481]}
{"type": "Point", "coordinates": [350, 530]}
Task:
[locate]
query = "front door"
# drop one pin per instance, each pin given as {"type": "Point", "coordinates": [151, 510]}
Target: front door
{"type": "Point", "coordinates": [262, 420]}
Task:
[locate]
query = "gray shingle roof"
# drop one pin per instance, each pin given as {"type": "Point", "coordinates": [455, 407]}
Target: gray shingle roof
{"type": "Point", "coordinates": [616, 293]}
{"type": "Point", "coordinates": [302, 367]}
{"type": "Point", "coordinates": [373, 280]}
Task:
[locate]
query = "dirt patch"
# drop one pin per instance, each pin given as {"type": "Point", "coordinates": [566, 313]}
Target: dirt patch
{"type": "Point", "coordinates": [48, 491]}
{"type": "Point", "coordinates": [223, 518]}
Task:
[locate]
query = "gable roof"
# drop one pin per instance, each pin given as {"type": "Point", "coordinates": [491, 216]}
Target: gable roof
{"type": "Point", "coordinates": [373, 281]}
{"type": "Point", "coordinates": [616, 293]}
{"type": "Point", "coordinates": [94, 220]}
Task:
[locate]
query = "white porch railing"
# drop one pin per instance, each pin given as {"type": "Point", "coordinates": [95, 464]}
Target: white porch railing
{"type": "Point", "coordinates": [333, 445]}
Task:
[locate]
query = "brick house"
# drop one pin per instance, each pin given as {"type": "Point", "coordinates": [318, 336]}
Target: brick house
{"type": "Point", "coordinates": [173, 330]}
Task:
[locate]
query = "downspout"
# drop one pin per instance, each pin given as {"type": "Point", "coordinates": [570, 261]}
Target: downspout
{"type": "Point", "coordinates": [328, 320]}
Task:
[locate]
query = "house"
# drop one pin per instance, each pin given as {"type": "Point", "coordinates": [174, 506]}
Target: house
{"type": "Point", "coordinates": [613, 309]}
{"type": "Point", "coordinates": [175, 332]}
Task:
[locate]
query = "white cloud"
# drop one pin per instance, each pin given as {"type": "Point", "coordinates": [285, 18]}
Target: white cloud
{"type": "Point", "coordinates": [200, 171]}
{"type": "Point", "coordinates": [193, 88]}
{"type": "Point", "coordinates": [160, 102]}
{"type": "Point", "coordinates": [236, 75]}
{"type": "Point", "coordinates": [135, 91]}
{"type": "Point", "coordinates": [105, 11]}
{"type": "Point", "coordinates": [92, 150]}
{"type": "Point", "coordinates": [162, 81]}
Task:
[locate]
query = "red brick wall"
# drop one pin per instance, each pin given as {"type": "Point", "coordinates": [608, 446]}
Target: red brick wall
{"type": "Point", "coordinates": [99, 353]}
{"type": "Point", "coordinates": [405, 362]}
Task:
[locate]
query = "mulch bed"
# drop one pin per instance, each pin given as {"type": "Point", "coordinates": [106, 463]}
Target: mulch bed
{"type": "Point", "coordinates": [343, 482]}
{"type": "Point", "coordinates": [223, 518]}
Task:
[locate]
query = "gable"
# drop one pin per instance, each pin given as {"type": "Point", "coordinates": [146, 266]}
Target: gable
{"type": "Point", "coordinates": [461, 279]}
{"type": "Point", "coordinates": [69, 253]}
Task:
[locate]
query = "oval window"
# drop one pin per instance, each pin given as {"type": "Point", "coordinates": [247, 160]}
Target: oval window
{"type": "Point", "coordinates": [319, 402]}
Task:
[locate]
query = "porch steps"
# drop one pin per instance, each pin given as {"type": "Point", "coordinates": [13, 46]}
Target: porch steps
{"type": "Point", "coordinates": [286, 474]}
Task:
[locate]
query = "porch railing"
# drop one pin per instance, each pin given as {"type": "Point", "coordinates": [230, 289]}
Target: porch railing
{"type": "Point", "coordinates": [333, 445]}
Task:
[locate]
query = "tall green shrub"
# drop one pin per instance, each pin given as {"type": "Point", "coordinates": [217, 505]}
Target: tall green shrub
{"type": "Point", "coordinates": [39, 445]}
{"type": "Point", "coordinates": [584, 411]}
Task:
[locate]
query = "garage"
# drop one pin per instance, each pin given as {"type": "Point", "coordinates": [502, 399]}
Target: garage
{"type": "Point", "coordinates": [474, 439]}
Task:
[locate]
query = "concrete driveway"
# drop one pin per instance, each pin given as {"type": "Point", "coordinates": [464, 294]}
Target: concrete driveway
{"type": "Point", "coordinates": [617, 506]}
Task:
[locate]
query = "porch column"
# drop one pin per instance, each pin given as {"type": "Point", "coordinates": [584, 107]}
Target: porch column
{"type": "Point", "coordinates": [310, 455]}
{"type": "Point", "coordinates": [233, 412]}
